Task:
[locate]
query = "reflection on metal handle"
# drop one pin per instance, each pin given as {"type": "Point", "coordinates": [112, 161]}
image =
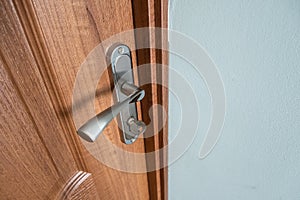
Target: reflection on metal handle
{"type": "Point", "coordinates": [126, 95]}
{"type": "Point", "coordinates": [93, 127]}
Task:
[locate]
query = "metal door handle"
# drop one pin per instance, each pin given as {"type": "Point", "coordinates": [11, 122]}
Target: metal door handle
{"type": "Point", "coordinates": [127, 95]}
{"type": "Point", "coordinates": [94, 127]}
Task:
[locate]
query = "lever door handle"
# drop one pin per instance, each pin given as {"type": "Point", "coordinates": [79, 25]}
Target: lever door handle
{"type": "Point", "coordinates": [95, 126]}
{"type": "Point", "coordinates": [127, 95]}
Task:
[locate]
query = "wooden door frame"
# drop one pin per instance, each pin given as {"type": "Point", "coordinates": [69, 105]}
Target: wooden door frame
{"type": "Point", "coordinates": [155, 14]}
{"type": "Point", "coordinates": [152, 13]}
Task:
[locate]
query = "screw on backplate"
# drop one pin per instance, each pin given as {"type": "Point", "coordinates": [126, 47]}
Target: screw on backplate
{"type": "Point", "coordinates": [121, 50]}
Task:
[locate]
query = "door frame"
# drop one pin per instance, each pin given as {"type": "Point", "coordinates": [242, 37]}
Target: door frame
{"type": "Point", "coordinates": [157, 16]}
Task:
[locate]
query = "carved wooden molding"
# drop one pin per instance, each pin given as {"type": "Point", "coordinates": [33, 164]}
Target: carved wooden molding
{"type": "Point", "coordinates": [80, 186]}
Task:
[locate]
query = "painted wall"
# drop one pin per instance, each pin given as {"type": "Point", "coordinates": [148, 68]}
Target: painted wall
{"type": "Point", "coordinates": [256, 47]}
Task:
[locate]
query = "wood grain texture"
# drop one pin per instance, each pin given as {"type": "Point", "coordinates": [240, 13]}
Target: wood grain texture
{"type": "Point", "coordinates": [157, 17]}
{"type": "Point", "coordinates": [17, 56]}
{"type": "Point", "coordinates": [20, 139]}
{"type": "Point", "coordinates": [71, 30]}
{"type": "Point", "coordinates": [35, 161]}
{"type": "Point", "coordinates": [80, 187]}
{"type": "Point", "coordinates": [164, 91]}
{"type": "Point", "coordinates": [43, 44]}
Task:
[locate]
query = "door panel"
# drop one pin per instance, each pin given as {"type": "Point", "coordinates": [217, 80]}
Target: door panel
{"type": "Point", "coordinates": [43, 44]}
{"type": "Point", "coordinates": [35, 162]}
{"type": "Point", "coordinates": [20, 139]}
{"type": "Point", "coordinates": [71, 30]}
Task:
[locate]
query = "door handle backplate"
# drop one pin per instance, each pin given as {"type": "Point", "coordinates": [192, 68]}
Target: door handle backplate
{"type": "Point", "coordinates": [127, 94]}
{"type": "Point", "coordinates": [122, 72]}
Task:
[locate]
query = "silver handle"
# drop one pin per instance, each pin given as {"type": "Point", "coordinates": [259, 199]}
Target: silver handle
{"type": "Point", "coordinates": [126, 93]}
{"type": "Point", "coordinates": [95, 126]}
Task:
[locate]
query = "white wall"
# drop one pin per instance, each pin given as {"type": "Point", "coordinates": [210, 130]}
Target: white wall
{"type": "Point", "coordinates": [256, 47]}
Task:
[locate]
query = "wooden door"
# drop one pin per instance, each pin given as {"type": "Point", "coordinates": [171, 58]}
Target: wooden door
{"type": "Point", "coordinates": [43, 43]}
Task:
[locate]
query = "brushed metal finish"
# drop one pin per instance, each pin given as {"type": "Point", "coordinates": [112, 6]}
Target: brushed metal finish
{"type": "Point", "coordinates": [127, 95]}
{"type": "Point", "coordinates": [124, 85]}
{"type": "Point", "coordinates": [94, 127]}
